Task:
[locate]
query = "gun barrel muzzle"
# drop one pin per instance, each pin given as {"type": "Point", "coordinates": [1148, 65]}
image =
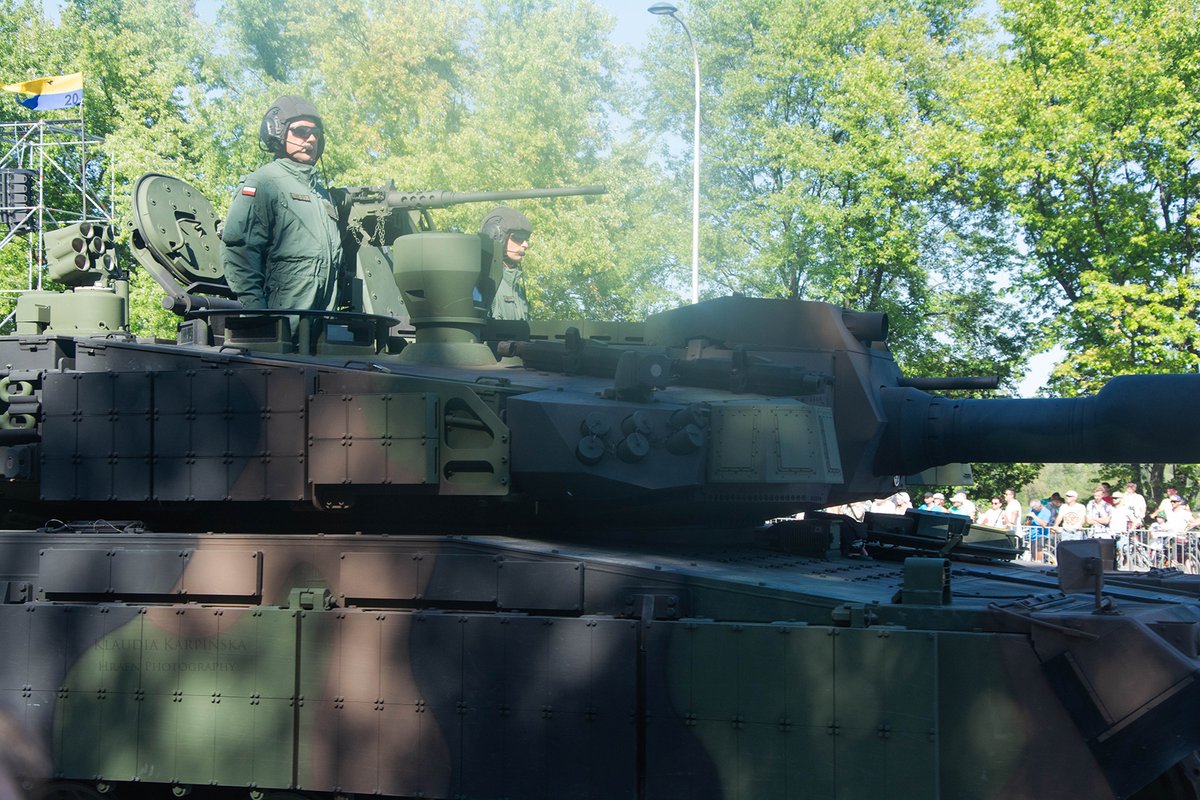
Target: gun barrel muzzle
{"type": "Point", "coordinates": [1142, 418]}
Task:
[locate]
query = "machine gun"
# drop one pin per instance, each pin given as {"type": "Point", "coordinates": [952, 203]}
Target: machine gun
{"type": "Point", "coordinates": [375, 217]}
{"type": "Point", "coordinates": [379, 215]}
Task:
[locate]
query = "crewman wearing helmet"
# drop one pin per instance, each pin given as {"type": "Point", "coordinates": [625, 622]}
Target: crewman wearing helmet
{"type": "Point", "coordinates": [510, 231]}
{"type": "Point", "coordinates": [283, 247]}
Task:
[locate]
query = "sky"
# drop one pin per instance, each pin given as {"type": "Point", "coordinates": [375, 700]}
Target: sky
{"type": "Point", "coordinates": [633, 21]}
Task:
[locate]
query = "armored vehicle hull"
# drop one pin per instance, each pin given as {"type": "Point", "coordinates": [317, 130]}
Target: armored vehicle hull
{"type": "Point", "coordinates": [485, 666]}
{"type": "Point", "coordinates": [375, 589]}
{"type": "Point", "coordinates": [432, 555]}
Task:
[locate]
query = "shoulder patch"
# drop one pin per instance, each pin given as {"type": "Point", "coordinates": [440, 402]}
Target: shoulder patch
{"type": "Point", "coordinates": [304, 198]}
{"type": "Point", "coordinates": [248, 191]}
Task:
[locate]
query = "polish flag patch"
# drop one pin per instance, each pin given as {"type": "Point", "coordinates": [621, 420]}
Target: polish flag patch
{"type": "Point", "coordinates": [248, 191]}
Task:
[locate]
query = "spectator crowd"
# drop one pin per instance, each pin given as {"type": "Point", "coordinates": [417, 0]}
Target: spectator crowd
{"type": "Point", "coordinates": [1159, 538]}
{"type": "Point", "coordinates": [1109, 512]}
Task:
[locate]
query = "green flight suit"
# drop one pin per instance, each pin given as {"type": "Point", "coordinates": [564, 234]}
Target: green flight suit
{"type": "Point", "coordinates": [509, 301]}
{"type": "Point", "coordinates": [283, 248]}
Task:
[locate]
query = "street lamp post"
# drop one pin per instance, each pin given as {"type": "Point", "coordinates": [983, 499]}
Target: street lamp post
{"type": "Point", "coordinates": [668, 10]}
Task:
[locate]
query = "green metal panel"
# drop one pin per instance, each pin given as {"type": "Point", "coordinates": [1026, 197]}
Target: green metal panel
{"type": "Point", "coordinates": [99, 703]}
{"type": "Point", "coordinates": [339, 719]}
{"type": "Point", "coordinates": [380, 295]}
{"type": "Point", "coordinates": [197, 657]}
{"type": "Point", "coordinates": [760, 700]}
{"type": "Point", "coordinates": [318, 671]}
{"type": "Point", "coordinates": [373, 439]}
{"type": "Point", "coordinates": [160, 683]}
{"type": "Point", "coordinates": [763, 756]}
{"type": "Point", "coordinates": [193, 756]}
{"type": "Point", "coordinates": [713, 690]}
{"type": "Point", "coordinates": [91, 311]}
{"type": "Point", "coordinates": [256, 660]}
{"type": "Point", "coordinates": [255, 742]}
{"type": "Point", "coordinates": [610, 332]}
{"type": "Point", "coordinates": [886, 698]}
{"type": "Point", "coordinates": [808, 709]}
{"type": "Point", "coordinates": [780, 441]}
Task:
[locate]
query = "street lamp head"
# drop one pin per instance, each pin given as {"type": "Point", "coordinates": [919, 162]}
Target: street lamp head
{"type": "Point", "coordinates": [663, 9]}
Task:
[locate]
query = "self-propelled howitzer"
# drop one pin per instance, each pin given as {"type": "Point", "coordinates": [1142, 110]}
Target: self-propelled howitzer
{"type": "Point", "coordinates": [436, 557]}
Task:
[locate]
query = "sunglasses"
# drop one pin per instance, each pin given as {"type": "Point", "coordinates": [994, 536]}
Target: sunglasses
{"type": "Point", "coordinates": [519, 238]}
{"type": "Point", "coordinates": [304, 131]}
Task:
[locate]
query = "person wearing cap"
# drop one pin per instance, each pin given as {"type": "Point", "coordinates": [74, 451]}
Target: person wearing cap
{"type": "Point", "coordinates": [961, 505]}
{"type": "Point", "coordinates": [938, 502]}
{"type": "Point", "coordinates": [1120, 518]}
{"type": "Point", "coordinates": [283, 246]}
{"type": "Point", "coordinates": [1071, 516]}
{"type": "Point", "coordinates": [509, 232]}
{"type": "Point", "coordinates": [1179, 516]}
{"type": "Point", "coordinates": [1165, 505]}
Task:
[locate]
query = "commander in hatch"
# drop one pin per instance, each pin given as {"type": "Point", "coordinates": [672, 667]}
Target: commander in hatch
{"type": "Point", "coordinates": [283, 248]}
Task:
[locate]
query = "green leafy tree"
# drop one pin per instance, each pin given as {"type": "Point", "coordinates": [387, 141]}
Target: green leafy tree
{"type": "Point", "coordinates": [147, 68]}
{"type": "Point", "coordinates": [838, 162]}
{"type": "Point", "coordinates": [992, 479]}
{"type": "Point", "coordinates": [541, 116]}
{"type": "Point", "coordinates": [1093, 112]}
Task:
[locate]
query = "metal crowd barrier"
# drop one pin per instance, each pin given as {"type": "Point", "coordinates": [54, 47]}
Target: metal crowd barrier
{"type": "Point", "coordinates": [1138, 550]}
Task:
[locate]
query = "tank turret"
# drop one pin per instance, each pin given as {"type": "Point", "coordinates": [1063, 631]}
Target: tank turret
{"type": "Point", "coordinates": [735, 409]}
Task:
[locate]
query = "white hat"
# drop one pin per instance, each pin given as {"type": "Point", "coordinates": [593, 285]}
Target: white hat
{"type": "Point", "coordinates": [1072, 493]}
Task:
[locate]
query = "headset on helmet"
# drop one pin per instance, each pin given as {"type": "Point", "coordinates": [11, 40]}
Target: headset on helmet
{"type": "Point", "coordinates": [502, 222]}
{"type": "Point", "coordinates": [274, 123]}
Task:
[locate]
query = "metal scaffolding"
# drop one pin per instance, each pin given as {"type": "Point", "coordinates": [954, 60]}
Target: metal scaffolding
{"type": "Point", "coordinates": [68, 167]}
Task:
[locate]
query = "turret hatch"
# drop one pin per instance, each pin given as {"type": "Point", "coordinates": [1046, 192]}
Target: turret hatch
{"type": "Point", "coordinates": [175, 237]}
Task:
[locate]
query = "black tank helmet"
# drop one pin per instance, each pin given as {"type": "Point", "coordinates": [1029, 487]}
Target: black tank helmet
{"type": "Point", "coordinates": [274, 123]}
{"type": "Point", "coordinates": [502, 222]}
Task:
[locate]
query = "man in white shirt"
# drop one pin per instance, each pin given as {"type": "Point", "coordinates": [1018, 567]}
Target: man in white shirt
{"type": "Point", "coordinates": [1135, 505]}
{"type": "Point", "coordinates": [1179, 516]}
{"type": "Point", "coordinates": [1071, 517]}
{"type": "Point", "coordinates": [1012, 509]}
{"type": "Point", "coordinates": [1099, 512]}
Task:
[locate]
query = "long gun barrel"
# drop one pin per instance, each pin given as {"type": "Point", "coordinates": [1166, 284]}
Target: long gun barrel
{"type": "Point", "coordinates": [440, 198]}
{"type": "Point", "coordinates": [1145, 418]}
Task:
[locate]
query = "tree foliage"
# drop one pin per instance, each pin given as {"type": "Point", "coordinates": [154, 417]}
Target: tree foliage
{"type": "Point", "coordinates": [992, 479]}
{"type": "Point", "coordinates": [838, 167]}
{"type": "Point", "coordinates": [1096, 108]}
{"type": "Point", "coordinates": [1095, 112]}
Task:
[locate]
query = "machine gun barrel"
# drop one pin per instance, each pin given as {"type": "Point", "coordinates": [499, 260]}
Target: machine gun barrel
{"type": "Point", "coordinates": [440, 198]}
{"type": "Point", "coordinates": [1143, 418]}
